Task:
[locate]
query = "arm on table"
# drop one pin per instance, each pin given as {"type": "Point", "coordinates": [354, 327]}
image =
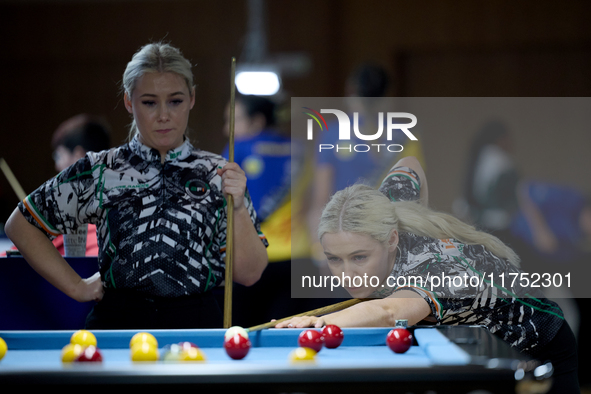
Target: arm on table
{"type": "Point", "coordinates": [44, 258]}
{"type": "Point", "coordinates": [404, 304]}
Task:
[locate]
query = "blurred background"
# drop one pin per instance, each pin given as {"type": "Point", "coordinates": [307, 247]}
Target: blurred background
{"type": "Point", "coordinates": [62, 58]}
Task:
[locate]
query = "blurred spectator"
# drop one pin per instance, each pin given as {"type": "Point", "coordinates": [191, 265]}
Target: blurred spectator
{"type": "Point", "coordinates": [489, 199]}
{"type": "Point", "coordinates": [551, 232]}
{"type": "Point", "coordinates": [544, 223]}
{"type": "Point", "coordinates": [337, 169]}
{"type": "Point", "coordinates": [554, 220]}
{"type": "Point", "coordinates": [71, 140]}
{"type": "Point", "coordinates": [262, 152]}
{"type": "Point", "coordinates": [76, 136]}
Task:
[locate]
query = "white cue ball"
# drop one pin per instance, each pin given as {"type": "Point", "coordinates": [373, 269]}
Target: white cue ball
{"type": "Point", "coordinates": [235, 330]}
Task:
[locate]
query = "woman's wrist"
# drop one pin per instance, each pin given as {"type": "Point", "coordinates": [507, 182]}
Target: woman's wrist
{"type": "Point", "coordinates": [77, 291]}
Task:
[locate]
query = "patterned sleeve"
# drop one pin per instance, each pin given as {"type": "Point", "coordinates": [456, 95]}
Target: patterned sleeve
{"type": "Point", "coordinates": [443, 303]}
{"type": "Point", "coordinates": [446, 279]}
{"type": "Point", "coordinates": [221, 235]}
{"type": "Point", "coordinates": [436, 305]}
{"type": "Point", "coordinates": [64, 202]}
{"type": "Point", "coordinates": [401, 184]}
{"type": "Point", "coordinates": [463, 284]}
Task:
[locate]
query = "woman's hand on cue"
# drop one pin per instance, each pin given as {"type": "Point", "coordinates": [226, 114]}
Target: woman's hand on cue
{"type": "Point", "coordinates": [233, 183]}
{"type": "Point", "coordinates": [302, 322]}
{"type": "Point", "coordinates": [90, 289]}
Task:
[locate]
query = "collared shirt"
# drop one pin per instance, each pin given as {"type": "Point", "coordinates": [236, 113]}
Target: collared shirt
{"type": "Point", "coordinates": [466, 283]}
{"type": "Point", "coordinates": [161, 227]}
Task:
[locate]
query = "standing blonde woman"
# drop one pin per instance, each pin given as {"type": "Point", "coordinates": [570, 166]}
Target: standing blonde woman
{"type": "Point", "coordinates": [159, 205]}
{"type": "Point", "coordinates": [401, 251]}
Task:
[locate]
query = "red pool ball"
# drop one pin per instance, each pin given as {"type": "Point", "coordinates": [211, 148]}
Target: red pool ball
{"type": "Point", "coordinates": [333, 336]}
{"type": "Point", "coordinates": [90, 354]}
{"type": "Point", "coordinates": [237, 347]}
{"type": "Point", "coordinates": [312, 339]}
{"type": "Point", "coordinates": [399, 340]}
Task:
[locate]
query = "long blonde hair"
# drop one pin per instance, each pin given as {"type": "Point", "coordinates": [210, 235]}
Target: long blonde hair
{"type": "Point", "coordinates": [362, 209]}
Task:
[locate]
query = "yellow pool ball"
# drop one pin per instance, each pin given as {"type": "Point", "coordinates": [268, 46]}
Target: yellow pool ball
{"type": "Point", "coordinates": [144, 351]}
{"type": "Point", "coordinates": [142, 337]}
{"type": "Point", "coordinates": [70, 352]}
{"type": "Point", "coordinates": [302, 354]}
{"type": "Point", "coordinates": [84, 338]}
{"type": "Point", "coordinates": [192, 354]}
{"type": "Point", "coordinates": [3, 348]}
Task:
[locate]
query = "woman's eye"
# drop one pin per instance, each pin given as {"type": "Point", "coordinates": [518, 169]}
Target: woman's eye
{"type": "Point", "coordinates": [333, 259]}
{"type": "Point", "coordinates": [149, 103]}
{"type": "Point", "coordinates": [176, 102]}
{"type": "Point", "coordinates": [359, 258]}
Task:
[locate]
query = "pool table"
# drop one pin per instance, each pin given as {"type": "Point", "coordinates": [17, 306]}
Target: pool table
{"type": "Point", "coordinates": [442, 359]}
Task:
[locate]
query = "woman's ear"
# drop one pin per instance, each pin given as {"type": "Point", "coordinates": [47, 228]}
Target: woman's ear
{"type": "Point", "coordinates": [79, 152]}
{"type": "Point", "coordinates": [393, 242]}
{"type": "Point", "coordinates": [127, 101]}
{"type": "Point", "coordinates": [192, 97]}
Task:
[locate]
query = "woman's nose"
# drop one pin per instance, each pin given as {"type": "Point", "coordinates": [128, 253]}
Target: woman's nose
{"type": "Point", "coordinates": [163, 114]}
{"type": "Point", "coordinates": [350, 271]}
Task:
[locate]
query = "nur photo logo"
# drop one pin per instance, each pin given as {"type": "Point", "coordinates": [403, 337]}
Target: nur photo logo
{"type": "Point", "coordinates": [344, 129]}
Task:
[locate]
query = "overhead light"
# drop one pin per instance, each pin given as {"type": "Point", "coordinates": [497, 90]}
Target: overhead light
{"type": "Point", "coordinates": [260, 83]}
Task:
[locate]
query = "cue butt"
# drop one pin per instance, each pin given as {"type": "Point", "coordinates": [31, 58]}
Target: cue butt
{"type": "Point", "coordinates": [229, 280]}
{"type": "Point", "coordinates": [16, 186]}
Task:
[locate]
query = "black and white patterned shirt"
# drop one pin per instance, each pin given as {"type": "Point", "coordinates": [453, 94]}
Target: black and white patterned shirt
{"type": "Point", "coordinates": [519, 315]}
{"type": "Point", "coordinates": [161, 227]}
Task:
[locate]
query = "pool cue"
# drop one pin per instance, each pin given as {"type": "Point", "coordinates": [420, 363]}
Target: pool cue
{"type": "Point", "coordinates": [325, 310]}
{"type": "Point", "coordinates": [230, 222]}
{"type": "Point", "coordinates": [12, 179]}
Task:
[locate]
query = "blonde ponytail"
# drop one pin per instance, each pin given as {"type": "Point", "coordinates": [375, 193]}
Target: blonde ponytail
{"type": "Point", "coordinates": [362, 209]}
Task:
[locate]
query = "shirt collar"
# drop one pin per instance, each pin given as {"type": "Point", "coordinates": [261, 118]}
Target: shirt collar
{"type": "Point", "coordinates": [151, 154]}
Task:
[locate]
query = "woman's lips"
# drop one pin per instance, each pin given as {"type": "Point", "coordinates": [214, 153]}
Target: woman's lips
{"type": "Point", "coordinates": [163, 131]}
